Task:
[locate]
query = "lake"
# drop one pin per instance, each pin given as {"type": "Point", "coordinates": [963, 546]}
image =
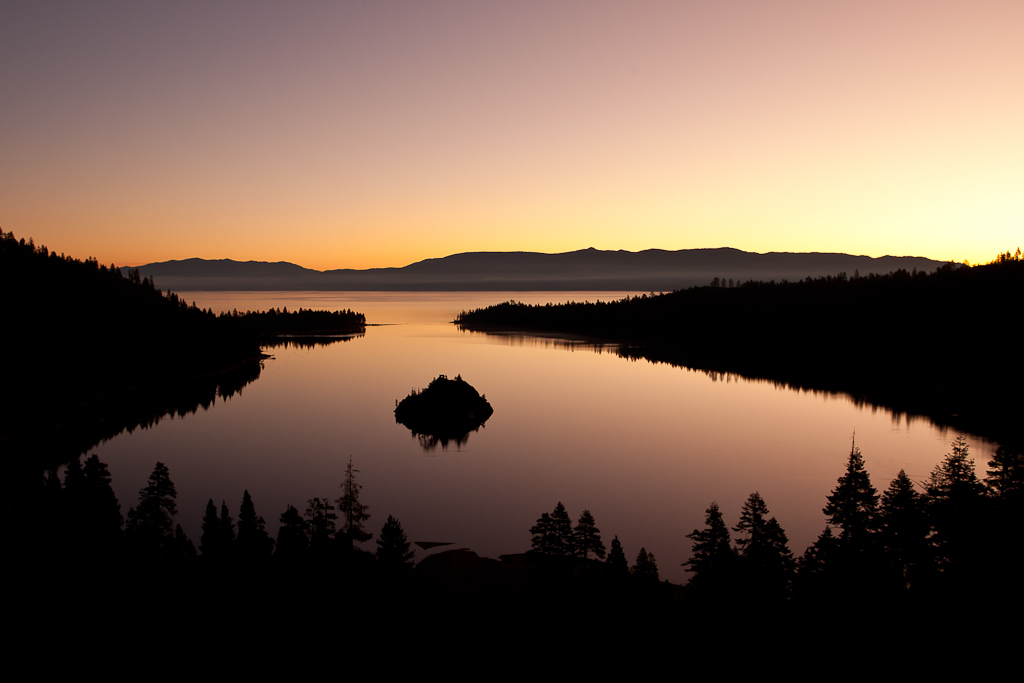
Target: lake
{"type": "Point", "coordinates": [645, 447]}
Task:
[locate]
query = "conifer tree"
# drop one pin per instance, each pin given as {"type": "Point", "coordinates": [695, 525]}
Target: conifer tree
{"type": "Point", "coordinates": [1005, 482]}
{"type": "Point", "coordinates": [562, 528]}
{"type": "Point", "coordinates": [253, 541]}
{"type": "Point", "coordinates": [766, 562]}
{"type": "Point", "coordinates": [777, 540]}
{"type": "Point", "coordinates": [1005, 477]}
{"type": "Point", "coordinates": [816, 582]}
{"type": "Point", "coordinates": [319, 522]}
{"type": "Point", "coordinates": [853, 503]}
{"type": "Point", "coordinates": [713, 560]}
{"type": "Point", "coordinates": [100, 505]}
{"type": "Point", "coordinates": [552, 534]}
{"type": "Point", "coordinates": [292, 538]}
{"type": "Point", "coordinates": [904, 528]}
{"type": "Point", "coordinates": [587, 537]}
{"type": "Point", "coordinates": [954, 478]}
{"type": "Point", "coordinates": [150, 526]}
{"type": "Point", "coordinates": [92, 511]}
{"type": "Point", "coordinates": [819, 555]}
{"type": "Point", "coordinates": [353, 513]}
{"type": "Point", "coordinates": [646, 566]}
{"type": "Point", "coordinates": [617, 558]}
{"type": "Point", "coordinates": [545, 541]}
{"type": "Point", "coordinates": [956, 500]}
{"type": "Point", "coordinates": [210, 542]}
{"type": "Point", "coordinates": [752, 521]}
{"type": "Point", "coordinates": [227, 529]}
{"type": "Point", "coordinates": [393, 550]}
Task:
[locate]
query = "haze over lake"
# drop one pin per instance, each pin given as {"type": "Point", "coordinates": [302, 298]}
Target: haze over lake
{"type": "Point", "coordinates": [645, 447]}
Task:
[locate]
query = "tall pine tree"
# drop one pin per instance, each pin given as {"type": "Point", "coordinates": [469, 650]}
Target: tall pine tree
{"type": "Point", "coordinates": [393, 550]}
{"type": "Point", "coordinates": [587, 537]}
{"type": "Point", "coordinates": [210, 544]}
{"type": "Point", "coordinates": [150, 529]}
{"type": "Point", "coordinates": [903, 529]}
{"type": "Point", "coordinates": [292, 536]}
{"type": "Point", "coordinates": [713, 561]}
{"type": "Point", "coordinates": [353, 513]}
{"type": "Point", "coordinates": [957, 504]}
{"type": "Point", "coordinates": [617, 558]}
{"type": "Point", "coordinates": [254, 543]}
{"type": "Point", "coordinates": [853, 503]}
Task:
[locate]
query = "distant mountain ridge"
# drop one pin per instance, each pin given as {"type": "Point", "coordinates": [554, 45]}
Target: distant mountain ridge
{"type": "Point", "coordinates": [585, 269]}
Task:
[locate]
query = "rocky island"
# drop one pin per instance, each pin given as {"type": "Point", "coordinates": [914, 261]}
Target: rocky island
{"type": "Point", "coordinates": [447, 410]}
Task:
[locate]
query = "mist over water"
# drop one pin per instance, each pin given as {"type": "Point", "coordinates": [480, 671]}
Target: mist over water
{"type": "Point", "coordinates": [645, 447]}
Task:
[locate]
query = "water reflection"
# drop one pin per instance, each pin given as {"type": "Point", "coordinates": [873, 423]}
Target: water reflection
{"type": "Point", "coordinates": [637, 353]}
{"type": "Point", "coordinates": [545, 340]}
{"type": "Point", "coordinates": [308, 341]}
{"type": "Point", "coordinates": [644, 446]}
{"type": "Point", "coordinates": [430, 442]}
{"type": "Point", "coordinates": [447, 410]}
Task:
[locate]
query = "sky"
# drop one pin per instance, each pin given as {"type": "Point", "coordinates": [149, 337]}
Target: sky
{"type": "Point", "coordinates": [368, 134]}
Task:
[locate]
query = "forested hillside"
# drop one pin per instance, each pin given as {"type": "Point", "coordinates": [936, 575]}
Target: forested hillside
{"type": "Point", "coordinates": [90, 351]}
{"type": "Point", "coordinates": [939, 344]}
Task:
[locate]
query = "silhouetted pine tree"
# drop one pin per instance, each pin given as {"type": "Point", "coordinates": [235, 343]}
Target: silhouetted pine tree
{"type": "Point", "coordinates": [393, 552]}
{"type": "Point", "coordinates": [319, 523]}
{"type": "Point", "coordinates": [552, 534]}
{"type": "Point", "coordinates": [956, 502]}
{"type": "Point", "coordinates": [903, 530]}
{"type": "Point", "coordinates": [766, 563]}
{"type": "Point", "coordinates": [752, 521]}
{"type": "Point", "coordinates": [816, 582]}
{"type": "Point", "coordinates": [853, 503]}
{"type": "Point", "coordinates": [100, 505]}
{"type": "Point", "coordinates": [779, 543]}
{"type": "Point", "coordinates": [353, 513]}
{"type": "Point", "coordinates": [1005, 477]}
{"type": "Point", "coordinates": [254, 544]}
{"type": "Point", "coordinates": [292, 538]}
{"type": "Point", "coordinates": [545, 541]}
{"type": "Point", "coordinates": [150, 530]}
{"type": "Point", "coordinates": [227, 530]}
{"type": "Point", "coordinates": [646, 567]}
{"type": "Point", "coordinates": [562, 528]}
{"type": "Point", "coordinates": [713, 561]}
{"type": "Point", "coordinates": [617, 558]}
{"type": "Point", "coordinates": [210, 543]}
{"type": "Point", "coordinates": [92, 513]}
{"type": "Point", "coordinates": [1005, 482]}
{"type": "Point", "coordinates": [587, 537]}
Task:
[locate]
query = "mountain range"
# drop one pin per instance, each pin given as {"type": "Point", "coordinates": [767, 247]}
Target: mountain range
{"type": "Point", "coordinates": [651, 270]}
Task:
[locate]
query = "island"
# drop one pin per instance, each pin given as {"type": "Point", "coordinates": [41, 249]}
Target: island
{"type": "Point", "coordinates": [447, 410]}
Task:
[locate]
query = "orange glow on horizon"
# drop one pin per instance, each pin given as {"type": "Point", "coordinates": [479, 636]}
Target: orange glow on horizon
{"type": "Point", "coordinates": [358, 137]}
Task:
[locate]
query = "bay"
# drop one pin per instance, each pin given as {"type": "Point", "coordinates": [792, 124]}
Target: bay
{"type": "Point", "coordinates": [645, 447]}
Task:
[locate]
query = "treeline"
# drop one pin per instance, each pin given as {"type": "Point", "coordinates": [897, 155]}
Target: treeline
{"type": "Point", "coordinates": [93, 568]}
{"type": "Point", "coordinates": [923, 545]}
{"type": "Point", "coordinates": [86, 530]}
{"type": "Point", "coordinates": [84, 343]}
{"type": "Point", "coordinates": [934, 344]}
{"type": "Point", "coordinates": [303, 322]}
{"type": "Point", "coordinates": [915, 552]}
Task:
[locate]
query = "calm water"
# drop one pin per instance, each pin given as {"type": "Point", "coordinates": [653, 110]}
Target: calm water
{"type": "Point", "coordinates": [644, 447]}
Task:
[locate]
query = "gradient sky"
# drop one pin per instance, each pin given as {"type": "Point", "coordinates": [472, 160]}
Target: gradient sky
{"type": "Point", "coordinates": [376, 134]}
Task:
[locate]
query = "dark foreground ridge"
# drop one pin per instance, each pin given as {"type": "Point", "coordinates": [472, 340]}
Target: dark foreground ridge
{"type": "Point", "coordinates": [90, 351]}
{"type": "Point", "coordinates": [447, 410]}
{"type": "Point", "coordinates": [902, 563]}
{"type": "Point", "coordinates": [938, 345]}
